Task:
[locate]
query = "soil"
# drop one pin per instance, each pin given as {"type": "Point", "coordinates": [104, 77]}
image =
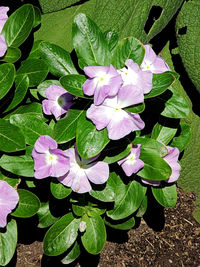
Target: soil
{"type": "Point", "coordinates": [164, 237]}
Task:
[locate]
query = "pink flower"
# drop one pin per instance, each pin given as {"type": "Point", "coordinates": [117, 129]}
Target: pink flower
{"type": "Point", "coordinates": [84, 170]}
{"type": "Point", "coordinates": [152, 62]}
{"type": "Point", "coordinates": [48, 159]}
{"type": "Point", "coordinates": [8, 201]}
{"type": "Point", "coordinates": [59, 101]}
{"type": "Point", "coordinates": [131, 163]}
{"type": "Point", "coordinates": [111, 115]}
{"type": "Point", "coordinates": [3, 18]}
{"type": "Point", "coordinates": [102, 82]}
{"type": "Point", "coordinates": [172, 159]}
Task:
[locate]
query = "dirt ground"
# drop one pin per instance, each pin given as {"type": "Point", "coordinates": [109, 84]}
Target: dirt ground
{"type": "Point", "coordinates": [165, 237]}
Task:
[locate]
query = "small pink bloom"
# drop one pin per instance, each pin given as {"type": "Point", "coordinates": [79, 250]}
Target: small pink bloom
{"type": "Point", "coordinates": [132, 163]}
{"type": "Point", "coordinates": [59, 101]}
{"type": "Point", "coordinates": [102, 82]}
{"type": "Point", "coordinates": [48, 159]}
{"type": "Point", "coordinates": [84, 170]}
{"type": "Point", "coordinates": [152, 62]}
{"type": "Point", "coordinates": [3, 18]}
{"type": "Point", "coordinates": [8, 201]}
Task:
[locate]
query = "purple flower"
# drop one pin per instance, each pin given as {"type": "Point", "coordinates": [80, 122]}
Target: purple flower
{"type": "Point", "coordinates": [82, 170]}
{"type": "Point", "coordinates": [8, 201]}
{"type": "Point", "coordinates": [102, 82]}
{"type": "Point", "coordinates": [59, 101]}
{"type": "Point", "coordinates": [152, 62]}
{"type": "Point", "coordinates": [172, 159]}
{"type": "Point", "coordinates": [48, 159]}
{"type": "Point", "coordinates": [133, 75]}
{"type": "Point", "coordinates": [131, 163]}
{"type": "Point", "coordinates": [111, 115]}
{"type": "Point", "coordinates": [3, 18]}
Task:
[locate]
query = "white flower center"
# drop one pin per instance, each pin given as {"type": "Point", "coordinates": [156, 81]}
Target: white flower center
{"type": "Point", "coordinates": [129, 76]}
{"type": "Point", "coordinates": [51, 159]}
{"type": "Point", "coordinates": [131, 159]}
{"type": "Point", "coordinates": [147, 65]}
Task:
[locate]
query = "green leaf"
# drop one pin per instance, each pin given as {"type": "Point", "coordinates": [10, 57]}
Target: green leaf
{"type": "Point", "coordinates": [143, 207]}
{"type": "Point", "coordinates": [35, 50]}
{"type": "Point", "coordinates": [61, 235]}
{"type": "Point", "coordinates": [31, 127]}
{"type": "Point", "coordinates": [11, 138]}
{"type": "Point", "coordinates": [7, 76]}
{"type": "Point", "coordinates": [166, 196]}
{"type": "Point", "coordinates": [125, 225]}
{"type": "Point", "coordinates": [11, 181]}
{"type": "Point", "coordinates": [90, 45]}
{"type": "Point", "coordinates": [12, 55]}
{"type": "Point", "coordinates": [129, 18]}
{"type": "Point", "coordinates": [57, 59]}
{"type": "Point", "coordinates": [44, 215]}
{"type": "Point", "coordinates": [44, 85]}
{"type": "Point", "coordinates": [58, 190]}
{"type": "Point", "coordinates": [107, 194]}
{"type": "Point", "coordinates": [161, 82]}
{"type": "Point", "coordinates": [72, 255]}
{"type": "Point", "coordinates": [183, 139]}
{"type": "Point", "coordinates": [73, 84]}
{"type": "Point", "coordinates": [35, 69]}
{"type": "Point", "coordinates": [128, 48]}
{"type": "Point", "coordinates": [188, 42]}
{"type": "Point", "coordinates": [163, 134]}
{"type": "Point", "coordinates": [8, 242]}
{"type": "Point", "coordinates": [114, 153]}
{"type": "Point", "coordinates": [20, 165]}
{"type": "Point", "coordinates": [37, 16]}
{"type": "Point", "coordinates": [90, 142]}
{"type": "Point", "coordinates": [51, 6]}
{"type": "Point", "coordinates": [19, 25]}
{"type": "Point", "coordinates": [94, 237]}
{"type": "Point", "coordinates": [112, 39]}
{"type": "Point", "coordinates": [176, 106]}
{"type": "Point", "coordinates": [65, 129]}
{"type": "Point", "coordinates": [136, 108]}
{"type": "Point", "coordinates": [61, 33]}
{"type": "Point", "coordinates": [28, 204]}
{"type": "Point", "coordinates": [127, 200]}
{"type": "Point", "coordinates": [21, 87]}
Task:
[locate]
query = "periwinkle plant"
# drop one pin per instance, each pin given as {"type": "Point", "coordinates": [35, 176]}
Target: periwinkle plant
{"type": "Point", "coordinates": [79, 131]}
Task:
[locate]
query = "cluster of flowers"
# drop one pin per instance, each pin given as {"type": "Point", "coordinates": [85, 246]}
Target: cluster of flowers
{"type": "Point", "coordinates": [3, 18]}
{"type": "Point", "coordinates": [113, 91]}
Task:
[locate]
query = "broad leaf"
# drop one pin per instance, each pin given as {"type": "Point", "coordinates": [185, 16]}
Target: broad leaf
{"type": "Point", "coordinates": [94, 237]}
{"type": "Point", "coordinates": [58, 190]}
{"type": "Point", "coordinates": [183, 139]}
{"type": "Point", "coordinates": [44, 215]}
{"type": "Point", "coordinates": [57, 59]}
{"type": "Point", "coordinates": [11, 137]}
{"type": "Point", "coordinates": [44, 85]}
{"type": "Point", "coordinates": [125, 225]}
{"type": "Point", "coordinates": [72, 255]}
{"type": "Point", "coordinates": [112, 39]}
{"type": "Point", "coordinates": [114, 153]}
{"type": "Point", "coordinates": [19, 25]}
{"type": "Point", "coordinates": [28, 204]}
{"type": "Point", "coordinates": [33, 108]}
{"type": "Point", "coordinates": [11, 181]}
{"type": "Point", "coordinates": [8, 242]}
{"type": "Point", "coordinates": [61, 235]}
{"type": "Point", "coordinates": [7, 76]}
{"type": "Point", "coordinates": [163, 134]}
{"type": "Point", "coordinates": [12, 55]}
{"type": "Point", "coordinates": [166, 196]}
{"type": "Point", "coordinates": [52, 6]}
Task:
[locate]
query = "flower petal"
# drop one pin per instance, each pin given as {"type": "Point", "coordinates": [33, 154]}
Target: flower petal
{"type": "Point", "coordinates": [98, 172]}
{"type": "Point", "coordinates": [89, 86]}
{"type": "Point", "coordinates": [8, 195]}
{"type": "Point", "coordinates": [4, 211]}
{"type": "Point", "coordinates": [3, 16]}
{"type": "Point", "coordinates": [44, 143]}
{"type": "Point", "coordinates": [61, 167]}
{"type": "Point", "coordinates": [150, 182]}
{"type": "Point", "coordinates": [129, 168]}
{"type": "Point", "coordinates": [129, 95]}
{"type": "Point", "coordinates": [94, 71]}
{"type": "Point", "coordinates": [3, 46]}
{"type": "Point", "coordinates": [54, 91]}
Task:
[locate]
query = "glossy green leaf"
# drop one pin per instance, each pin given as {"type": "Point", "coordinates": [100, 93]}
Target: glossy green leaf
{"type": "Point", "coordinates": [61, 235]}
{"type": "Point", "coordinates": [107, 193]}
{"type": "Point", "coordinates": [73, 84]}
{"type": "Point", "coordinates": [44, 215]}
{"type": "Point", "coordinates": [31, 127]}
{"type": "Point", "coordinates": [20, 165]}
{"type": "Point", "coordinates": [90, 45]}
{"type": "Point", "coordinates": [125, 225]}
{"type": "Point", "coordinates": [112, 39]}
{"type": "Point", "coordinates": [163, 134]}
{"type": "Point", "coordinates": [128, 48]}
{"type": "Point", "coordinates": [35, 69]}
{"type": "Point", "coordinates": [21, 87]}
{"type": "Point", "coordinates": [10, 180]}
{"type": "Point", "coordinates": [19, 25]}
{"type": "Point", "coordinates": [58, 190]}
{"type": "Point", "coordinates": [12, 55]}
{"type": "Point", "coordinates": [37, 16]}
{"type": "Point", "coordinates": [57, 59]}
{"type": "Point", "coordinates": [94, 237]}
{"type": "Point", "coordinates": [72, 255]}
{"type": "Point", "coordinates": [11, 137]}
{"type": "Point", "coordinates": [33, 108]}
{"type": "Point", "coordinates": [65, 129]}
{"type": "Point", "coordinates": [127, 200]}
{"type": "Point", "coordinates": [8, 242]}
{"type": "Point", "coordinates": [136, 109]}
{"type": "Point", "coordinates": [28, 204]}
{"type": "Point", "coordinates": [117, 154]}
{"type": "Point", "coordinates": [143, 207]}
{"type": "Point", "coordinates": [176, 106]}
{"type": "Point", "coordinates": [35, 50]}
{"type": "Point", "coordinates": [7, 76]}
{"type": "Point", "coordinates": [44, 85]}
{"type": "Point", "coordinates": [90, 142]}
{"type": "Point", "coordinates": [79, 210]}
{"type": "Point", "coordinates": [166, 196]}
{"type": "Point", "coordinates": [183, 139]}
{"type": "Point", "coordinates": [161, 82]}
